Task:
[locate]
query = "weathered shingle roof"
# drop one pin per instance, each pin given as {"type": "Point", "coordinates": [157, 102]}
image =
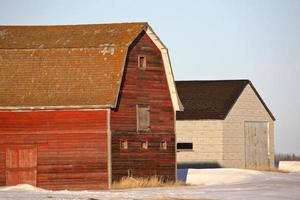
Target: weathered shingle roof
{"type": "Point", "coordinates": [210, 99]}
{"type": "Point", "coordinates": [80, 65]}
{"type": "Point", "coordinates": [69, 36]}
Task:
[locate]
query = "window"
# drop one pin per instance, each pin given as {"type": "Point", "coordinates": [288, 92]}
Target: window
{"type": "Point", "coordinates": [124, 144]}
{"type": "Point", "coordinates": [144, 144]}
{"type": "Point", "coordinates": [185, 146]}
{"type": "Point", "coordinates": [143, 118]}
{"type": "Point", "coordinates": [142, 62]}
{"type": "Point", "coordinates": [129, 172]}
{"type": "Point", "coordinates": [163, 145]}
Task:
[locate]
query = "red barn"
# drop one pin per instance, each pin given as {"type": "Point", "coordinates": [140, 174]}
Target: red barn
{"type": "Point", "coordinates": [82, 106]}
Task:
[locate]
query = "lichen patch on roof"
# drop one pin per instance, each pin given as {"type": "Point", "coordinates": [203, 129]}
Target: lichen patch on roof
{"type": "Point", "coordinates": [79, 65]}
{"type": "Point", "coordinates": [76, 36]}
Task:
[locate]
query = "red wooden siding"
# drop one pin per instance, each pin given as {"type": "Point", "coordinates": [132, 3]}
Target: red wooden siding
{"type": "Point", "coordinates": [149, 87]}
{"type": "Point", "coordinates": [71, 146]}
{"type": "Point", "coordinates": [144, 162]}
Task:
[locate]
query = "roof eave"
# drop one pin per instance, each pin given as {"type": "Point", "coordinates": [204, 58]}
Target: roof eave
{"type": "Point", "coordinates": [54, 107]}
{"type": "Point", "coordinates": [168, 68]}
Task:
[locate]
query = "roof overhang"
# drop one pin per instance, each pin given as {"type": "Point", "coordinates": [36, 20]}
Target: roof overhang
{"type": "Point", "coordinates": [54, 107]}
{"type": "Point", "coordinates": [168, 68]}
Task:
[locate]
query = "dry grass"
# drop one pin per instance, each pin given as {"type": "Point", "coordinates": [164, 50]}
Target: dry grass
{"type": "Point", "coordinates": [153, 181]}
{"type": "Point", "coordinates": [170, 198]}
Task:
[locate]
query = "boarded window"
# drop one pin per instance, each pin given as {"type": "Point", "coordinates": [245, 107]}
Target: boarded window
{"type": "Point", "coordinates": [163, 145]}
{"type": "Point", "coordinates": [142, 62]}
{"type": "Point", "coordinates": [144, 144]}
{"type": "Point", "coordinates": [185, 146]}
{"type": "Point", "coordinates": [143, 118]}
{"type": "Point", "coordinates": [124, 144]}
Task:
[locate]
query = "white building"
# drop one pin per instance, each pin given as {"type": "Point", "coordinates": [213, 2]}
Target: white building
{"type": "Point", "coordinates": [224, 123]}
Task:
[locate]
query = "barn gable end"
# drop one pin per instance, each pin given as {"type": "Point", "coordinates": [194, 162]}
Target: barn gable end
{"type": "Point", "coordinates": [147, 87]}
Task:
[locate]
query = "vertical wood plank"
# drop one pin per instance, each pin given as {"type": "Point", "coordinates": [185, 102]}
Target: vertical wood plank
{"type": "Point", "coordinates": [256, 144]}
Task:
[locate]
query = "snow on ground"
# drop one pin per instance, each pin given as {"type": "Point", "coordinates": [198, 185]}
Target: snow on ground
{"type": "Point", "coordinates": [227, 184]}
{"type": "Point", "coordinates": [21, 187]}
{"type": "Point", "coordinates": [219, 176]}
{"type": "Point", "coordinates": [291, 166]}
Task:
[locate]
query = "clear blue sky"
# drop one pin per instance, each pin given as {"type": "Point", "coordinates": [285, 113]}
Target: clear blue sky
{"type": "Point", "coordinates": [225, 39]}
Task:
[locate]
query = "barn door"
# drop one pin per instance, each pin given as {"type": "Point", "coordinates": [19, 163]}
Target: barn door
{"type": "Point", "coordinates": [21, 162]}
{"type": "Point", "coordinates": [256, 144]}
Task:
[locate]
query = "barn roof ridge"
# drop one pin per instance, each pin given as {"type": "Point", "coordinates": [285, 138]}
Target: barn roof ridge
{"type": "Point", "coordinates": [82, 24]}
{"type": "Point", "coordinates": [62, 36]}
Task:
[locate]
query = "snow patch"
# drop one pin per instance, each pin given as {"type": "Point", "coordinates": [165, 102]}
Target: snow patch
{"type": "Point", "coordinates": [21, 187]}
{"type": "Point", "coordinates": [291, 166]}
{"type": "Point", "coordinates": [219, 176]}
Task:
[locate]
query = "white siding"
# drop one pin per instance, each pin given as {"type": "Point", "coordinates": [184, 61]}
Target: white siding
{"type": "Point", "coordinates": [207, 138]}
{"type": "Point", "coordinates": [247, 108]}
{"type": "Point", "coordinates": [223, 141]}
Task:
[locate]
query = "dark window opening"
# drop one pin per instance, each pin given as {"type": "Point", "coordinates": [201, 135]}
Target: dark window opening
{"type": "Point", "coordinates": [142, 62]}
{"type": "Point", "coordinates": [143, 118]}
{"type": "Point", "coordinates": [144, 144]}
{"type": "Point", "coordinates": [124, 144]}
{"type": "Point", "coordinates": [163, 145]}
{"type": "Point", "coordinates": [129, 173]}
{"type": "Point", "coordinates": [185, 146]}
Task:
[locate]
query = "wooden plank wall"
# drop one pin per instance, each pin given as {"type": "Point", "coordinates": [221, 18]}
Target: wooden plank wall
{"type": "Point", "coordinates": [143, 162]}
{"type": "Point", "coordinates": [2, 164]}
{"type": "Point", "coordinates": [71, 145]}
{"type": "Point", "coordinates": [149, 87]}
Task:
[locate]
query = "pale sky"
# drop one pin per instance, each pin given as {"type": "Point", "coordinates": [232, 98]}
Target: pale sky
{"type": "Point", "coordinates": [225, 39]}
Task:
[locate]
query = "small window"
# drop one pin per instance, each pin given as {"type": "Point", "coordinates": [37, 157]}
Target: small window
{"type": "Point", "coordinates": [143, 118]}
{"type": "Point", "coordinates": [163, 145]}
{"type": "Point", "coordinates": [185, 146]}
{"type": "Point", "coordinates": [142, 62]}
{"type": "Point", "coordinates": [129, 172]}
{"type": "Point", "coordinates": [124, 144]}
{"type": "Point", "coordinates": [144, 144]}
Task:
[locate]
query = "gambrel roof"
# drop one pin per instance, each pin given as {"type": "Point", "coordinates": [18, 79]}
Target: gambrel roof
{"type": "Point", "coordinates": [211, 99]}
{"type": "Point", "coordinates": [73, 66]}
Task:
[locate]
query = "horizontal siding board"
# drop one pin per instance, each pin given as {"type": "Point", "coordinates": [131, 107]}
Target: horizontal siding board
{"type": "Point", "coordinates": [143, 163]}
{"type": "Point", "coordinates": [66, 160]}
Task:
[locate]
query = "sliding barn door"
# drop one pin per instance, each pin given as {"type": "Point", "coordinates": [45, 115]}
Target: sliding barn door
{"type": "Point", "coordinates": [256, 144]}
{"type": "Point", "coordinates": [21, 165]}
